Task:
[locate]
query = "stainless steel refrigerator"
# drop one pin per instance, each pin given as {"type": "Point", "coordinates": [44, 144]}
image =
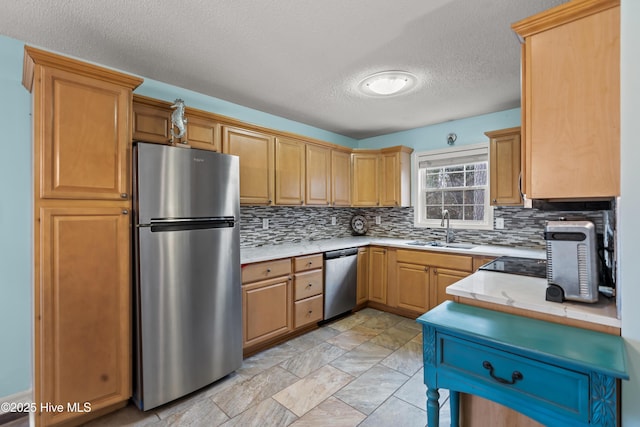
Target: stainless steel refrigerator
{"type": "Point", "coordinates": [187, 293]}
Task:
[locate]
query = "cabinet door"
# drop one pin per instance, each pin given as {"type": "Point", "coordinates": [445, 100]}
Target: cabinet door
{"type": "Point", "coordinates": [290, 174]}
{"type": "Point", "coordinates": [365, 179]}
{"type": "Point", "coordinates": [378, 275]}
{"type": "Point", "coordinates": [504, 153]}
{"type": "Point", "coordinates": [203, 133]}
{"type": "Point", "coordinates": [362, 293]}
{"type": "Point", "coordinates": [340, 178]}
{"type": "Point", "coordinates": [266, 310]}
{"type": "Point", "coordinates": [440, 280]}
{"type": "Point", "coordinates": [151, 123]}
{"type": "Point", "coordinates": [83, 308]}
{"type": "Point", "coordinates": [413, 286]}
{"type": "Point", "coordinates": [318, 169]}
{"type": "Point", "coordinates": [571, 110]}
{"type": "Point", "coordinates": [255, 150]}
{"type": "Point", "coordinates": [390, 182]}
{"type": "Point", "coordinates": [82, 137]}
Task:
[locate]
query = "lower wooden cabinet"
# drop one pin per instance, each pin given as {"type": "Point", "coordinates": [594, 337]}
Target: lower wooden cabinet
{"type": "Point", "coordinates": [83, 308]}
{"type": "Point", "coordinates": [417, 279]}
{"type": "Point", "coordinates": [308, 310]}
{"type": "Point", "coordinates": [413, 283]}
{"type": "Point", "coordinates": [279, 297]}
{"type": "Point", "coordinates": [378, 274]}
{"type": "Point", "coordinates": [362, 291]}
{"type": "Point", "coordinates": [441, 278]}
{"type": "Point", "coordinates": [266, 310]}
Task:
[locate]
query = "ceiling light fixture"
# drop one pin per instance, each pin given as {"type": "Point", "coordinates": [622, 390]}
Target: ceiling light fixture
{"type": "Point", "coordinates": [387, 83]}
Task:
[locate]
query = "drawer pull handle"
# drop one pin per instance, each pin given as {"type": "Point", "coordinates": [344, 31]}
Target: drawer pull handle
{"type": "Point", "coordinates": [310, 285]}
{"type": "Point", "coordinates": [268, 270]}
{"type": "Point", "coordinates": [515, 376]}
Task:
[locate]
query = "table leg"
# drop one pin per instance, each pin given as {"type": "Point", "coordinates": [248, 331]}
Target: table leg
{"type": "Point", "coordinates": [454, 405]}
{"type": "Point", "coordinates": [433, 407]}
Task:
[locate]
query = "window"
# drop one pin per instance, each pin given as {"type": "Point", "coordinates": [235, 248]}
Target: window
{"type": "Point", "coordinates": [456, 180]}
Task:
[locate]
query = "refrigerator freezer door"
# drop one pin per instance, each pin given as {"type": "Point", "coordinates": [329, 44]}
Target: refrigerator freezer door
{"type": "Point", "coordinates": [184, 183]}
{"type": "Point", "coordinates": [190, 321]}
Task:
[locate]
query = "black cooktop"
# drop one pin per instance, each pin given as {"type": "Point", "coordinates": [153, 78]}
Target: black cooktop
{"type": "Point", "coordinates": [521, 266]}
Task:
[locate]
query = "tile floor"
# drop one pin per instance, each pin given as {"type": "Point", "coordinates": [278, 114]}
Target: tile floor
{"type": "Point", "coordinates": [361, 370]}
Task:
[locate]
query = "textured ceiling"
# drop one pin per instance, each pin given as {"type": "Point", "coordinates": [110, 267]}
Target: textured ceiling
{"type": "Point", "coordinates": [300, 59]}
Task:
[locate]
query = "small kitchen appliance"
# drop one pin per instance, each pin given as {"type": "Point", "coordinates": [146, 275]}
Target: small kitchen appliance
{"type": "Point", "coordinates": [572, 261]}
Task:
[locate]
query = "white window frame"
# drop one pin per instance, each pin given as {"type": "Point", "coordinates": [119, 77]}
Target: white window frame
{"type": "Point", "coordinates": [449, 155]}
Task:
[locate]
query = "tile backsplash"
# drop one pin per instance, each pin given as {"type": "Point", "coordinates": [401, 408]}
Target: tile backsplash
{"type": "Point", "coordinates": [522, 227]}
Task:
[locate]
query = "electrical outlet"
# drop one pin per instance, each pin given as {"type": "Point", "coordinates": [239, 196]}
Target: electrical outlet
{"type": "Point", "coordinates": [333, 220]}
{"type": "Point", "coordinates": [499, 223]}
{"type": "Point", "coordinates": [265, 223]}
{"type": "Point", "coordinates": [378, 221]}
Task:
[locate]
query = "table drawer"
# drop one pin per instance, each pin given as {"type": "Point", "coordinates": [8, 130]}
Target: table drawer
{"type": "Point", "coordinates": [307, 284]}
{"type": "Point", "coordinates": [266, 270]}
{"type": "Point", "coordinates": [308, 311]}
{"type": "Point", "coordinates": [308, 262]}
{"type": "Point", "coordinates": [551, 386]}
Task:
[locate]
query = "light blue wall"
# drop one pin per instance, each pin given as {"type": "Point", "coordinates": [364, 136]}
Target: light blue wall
{"type": "Point", "coordinates": [469, 131]}
{"type": "Point", "coordinates": [159, 90]}
{"type": "Point", "coordinates": [628, 227]}
{"type": "Point", "coordinates": [15, 222]}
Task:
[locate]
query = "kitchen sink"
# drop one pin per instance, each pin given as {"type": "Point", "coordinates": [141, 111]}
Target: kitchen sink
{"type": "Point", "coordinates": [439, 244]}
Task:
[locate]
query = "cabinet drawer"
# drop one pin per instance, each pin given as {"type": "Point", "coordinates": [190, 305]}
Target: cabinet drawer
{"type": "Point", "coordinates": [309, 262]}
{"type": "Point", "coordinates": [266, 270]}
{"type": "Point", "coordinates": [551, 386]}
{"type": "Point", "coordinates": [436, 259]}
{"type": "Point", "coordinates": [308, 311]}
{"type": "Point", "coordinates": [307, 284]}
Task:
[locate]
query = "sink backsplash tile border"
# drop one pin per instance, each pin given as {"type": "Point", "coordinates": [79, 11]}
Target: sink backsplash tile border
{"type": "Point", "coordinates": [293, 224]}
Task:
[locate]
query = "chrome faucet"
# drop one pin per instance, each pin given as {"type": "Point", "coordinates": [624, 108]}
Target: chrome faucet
{"type": "Point", "coordinates": [449, 234]}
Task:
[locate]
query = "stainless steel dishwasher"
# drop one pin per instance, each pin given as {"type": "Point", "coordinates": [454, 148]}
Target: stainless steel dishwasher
{"type": "Point", "coordinates": [340, 281]}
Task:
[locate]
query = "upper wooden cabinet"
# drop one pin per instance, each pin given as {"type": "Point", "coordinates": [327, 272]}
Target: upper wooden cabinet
{"type": "Point", "coordinates": [152, 123]}
{"type": "Point", "coordinates": [81, 129]}
{"type": "Point", "coordinates": [571, 101]}
{"type": "Point", "coordinates": [256, 152]}
{"type": "Point", "coordinates": [504, 167]}
{"type": "Point", "coordinates": [318, 178]}
{"type": "Point", "coordinates": [202, 131]}
{"type": "Point", "coordinates": [340, 178]}
{"type": "Point", "coordinates": [365, 172]}
{"type": "Point", "coordinates": [382, 177]}
{"type": "Point", "coordinates": [290, 171]}
{"type": "Point", "coordinates": [395, 176]}
{"type": "Point", "coordinates": [151, 120]}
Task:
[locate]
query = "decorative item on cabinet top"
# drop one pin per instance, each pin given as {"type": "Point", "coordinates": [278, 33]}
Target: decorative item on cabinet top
{"type": "Point", "coordinates": [178, 120]}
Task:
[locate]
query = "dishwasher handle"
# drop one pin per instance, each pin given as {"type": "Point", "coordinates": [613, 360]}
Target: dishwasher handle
{"type": "Point", "coordinates": [340, 253]}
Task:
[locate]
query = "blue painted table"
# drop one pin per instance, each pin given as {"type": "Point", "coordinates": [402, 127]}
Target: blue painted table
{"type": "Point", "coordinates": [558, 375]}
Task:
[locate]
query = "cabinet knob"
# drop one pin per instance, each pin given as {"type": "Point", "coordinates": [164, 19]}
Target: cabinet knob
{"type": "Point", "coordinates": [495, 200]}
{"type": "Point", "coordinates": [309, 285]}
{"type": "Point", "coordinates": [310, 262]}
{"type": "Point", "coordinates": [426, 269]}
{"type": "Point", "coordinates": [268, 270]}
{"type": "Point", "coordinates": [125, 212]}
{"type": "Point", "coordinates": [302, 202]}
{"type": "Point", "coordinates": [269, 201]}
{"type": "Point", "coordinates": [124, 195]}
{"type": "Point", "coordinates": [310, 311]}
{"type": "Point", "coordinates": [435, 271]}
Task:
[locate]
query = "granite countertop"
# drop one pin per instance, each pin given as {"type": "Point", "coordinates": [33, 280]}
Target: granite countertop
{"type": "Point", "coordinates": [528, 293]}
{"type": "Point", "coordinates": [286, 250]}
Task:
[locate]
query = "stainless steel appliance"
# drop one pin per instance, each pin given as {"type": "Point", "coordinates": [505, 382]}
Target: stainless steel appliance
{"type": "Point", "coordinates": [340, 281]}
{"type": "Point", "coordinates": [187, 293]}
{"type": "Point", "coordinates": [520, 266]}
{"type": "Point", "coordinates": [572, 261]}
